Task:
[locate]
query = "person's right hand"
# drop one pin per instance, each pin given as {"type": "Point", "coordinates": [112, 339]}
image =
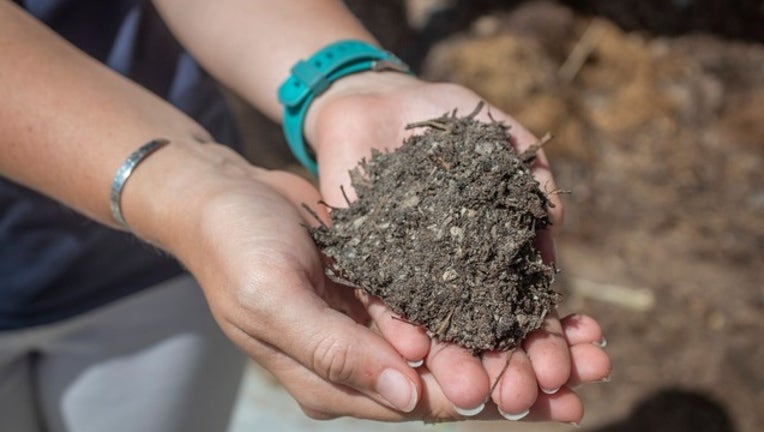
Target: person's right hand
{"type": "Point", "coordinates": [241, 232]}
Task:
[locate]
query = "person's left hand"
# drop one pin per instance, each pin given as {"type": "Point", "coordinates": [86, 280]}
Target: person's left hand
{"type": "Point", "coordinates": [370, 110]}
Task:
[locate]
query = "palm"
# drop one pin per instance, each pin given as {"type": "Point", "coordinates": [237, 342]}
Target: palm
{"type": "Point", "coordinates": [265, 284]}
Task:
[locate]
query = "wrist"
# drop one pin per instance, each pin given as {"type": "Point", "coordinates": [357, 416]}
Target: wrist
{"type": "Point", "coordinates": [163, 200]}
{"type": "Point", "coordinates": [311, 78]}
{"type": "Point", "coordinates": [365, 84]}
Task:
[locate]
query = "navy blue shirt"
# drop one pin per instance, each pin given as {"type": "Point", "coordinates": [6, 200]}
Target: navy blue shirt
{"type": "Point", "coordinates": [55, 263]}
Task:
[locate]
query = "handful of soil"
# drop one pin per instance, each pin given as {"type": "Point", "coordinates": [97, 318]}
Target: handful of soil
{"type": "Point", "coordinates": [442, 231]}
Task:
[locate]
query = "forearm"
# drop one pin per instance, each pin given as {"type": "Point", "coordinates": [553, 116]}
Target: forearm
{"type": "Point", "coordinates": [250, 45]}
{"type": "Point", "coordinates": [67, 122]}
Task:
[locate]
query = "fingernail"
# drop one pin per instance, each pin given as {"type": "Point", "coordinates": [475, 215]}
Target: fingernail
{"type": "Point", "coordinates": [416, 364]}
{"type": "Point", "coordinates": [398, 390]}
{"type": "Point", "coordinates": [605, 380]}
{"type": "Point", "coordinates": [550, 392]}
{"type": "Point", "coordinates": [470, 412]}
{"type": "Point", "coordinates": [575, 424]}
{"type": "Point", "coordinates": [514, 417]}
{"type": "Point", "coordinates": [602, 342]}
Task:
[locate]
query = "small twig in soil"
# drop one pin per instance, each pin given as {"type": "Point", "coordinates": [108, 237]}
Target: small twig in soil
{"type": "Point", "coordinates": [555, 191]}
{"type": "Point", "coordinates": [337, 276]}
{"type": "Point", "coordinates": [501, 374]}
{"type": "Point", "coordinates": [445, 324]}
{"type": "Point", "coordinates": [380, 205]}
{"type": "Point", "coordinates": [441, 162]}
{"type": "Point", "coordinates": [476, 111]}
{"type": "Point", "coordinates": [315, 215]}
{"type": "Point", "coordinates": [435, 124]}
{"type": "Point", "coordinates": [494, 121]}
{"type": "Point", "coordinates": [327, 205]}
{"type": "Point", "coordinates": [559, 191]}
{"type": "Point", "coordinates": [344, 195]}
{"type": "Point", "coordinates": [530, 154]}
{"type": "Point", "coordinates": [401, 319]}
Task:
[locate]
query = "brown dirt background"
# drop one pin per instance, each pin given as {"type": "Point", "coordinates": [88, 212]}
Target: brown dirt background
{"type": "Point", "coordinates": [660, 138]}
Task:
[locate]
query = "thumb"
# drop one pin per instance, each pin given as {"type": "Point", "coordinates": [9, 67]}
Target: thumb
{"type": "Point", "coordinates": [342, 351]}
{"type": "Point", "coordinates": [288, 313]}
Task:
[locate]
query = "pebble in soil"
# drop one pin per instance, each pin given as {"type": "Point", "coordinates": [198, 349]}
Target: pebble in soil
{"type": "Point", "coordinates": [443, 232]}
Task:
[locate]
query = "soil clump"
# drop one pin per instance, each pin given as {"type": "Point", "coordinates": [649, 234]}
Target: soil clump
{"type": "Point", "coordinates": [443, 231]}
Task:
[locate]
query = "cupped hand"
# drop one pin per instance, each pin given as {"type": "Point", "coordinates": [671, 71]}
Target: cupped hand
{"type": "Point", "coordinates": [534, 380]}
{"type": "Point", "coordinates": [248, 246]}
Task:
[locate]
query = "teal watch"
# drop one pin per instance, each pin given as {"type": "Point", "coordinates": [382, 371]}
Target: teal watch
{"type": "Point", "coordinates": [310, 78]}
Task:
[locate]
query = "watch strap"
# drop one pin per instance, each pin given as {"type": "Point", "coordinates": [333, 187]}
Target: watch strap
{"type": "Point", "coordinates": [312, 77]}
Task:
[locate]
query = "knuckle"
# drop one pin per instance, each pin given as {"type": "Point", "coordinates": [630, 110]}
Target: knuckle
{"type": "Point", "coordinates": [333, 359]}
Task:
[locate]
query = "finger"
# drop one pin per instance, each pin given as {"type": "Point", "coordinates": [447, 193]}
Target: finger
{"type": "Point", "coordinates": [579, 328]}
{"type": "Point", "coordinates": [516, 389]}
{"type": "Point", "coordinates": [331, 344]}
{"type": "Point", "coordinates": [460, 375]}
{"type": "Point", "coordinates": [564, 406]}
{"type": "Point", "coordinates": [548, 352]}
{"type": "Point", "coordinates": [589, 364]}
{"type": "Point", "coordinates": [409, 340]}
{"type": "Point", "coordinates": [320, 399]}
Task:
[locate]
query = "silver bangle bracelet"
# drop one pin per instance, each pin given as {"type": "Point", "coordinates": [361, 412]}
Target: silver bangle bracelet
{"type": "Point", "coordinates": [124, 172]}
